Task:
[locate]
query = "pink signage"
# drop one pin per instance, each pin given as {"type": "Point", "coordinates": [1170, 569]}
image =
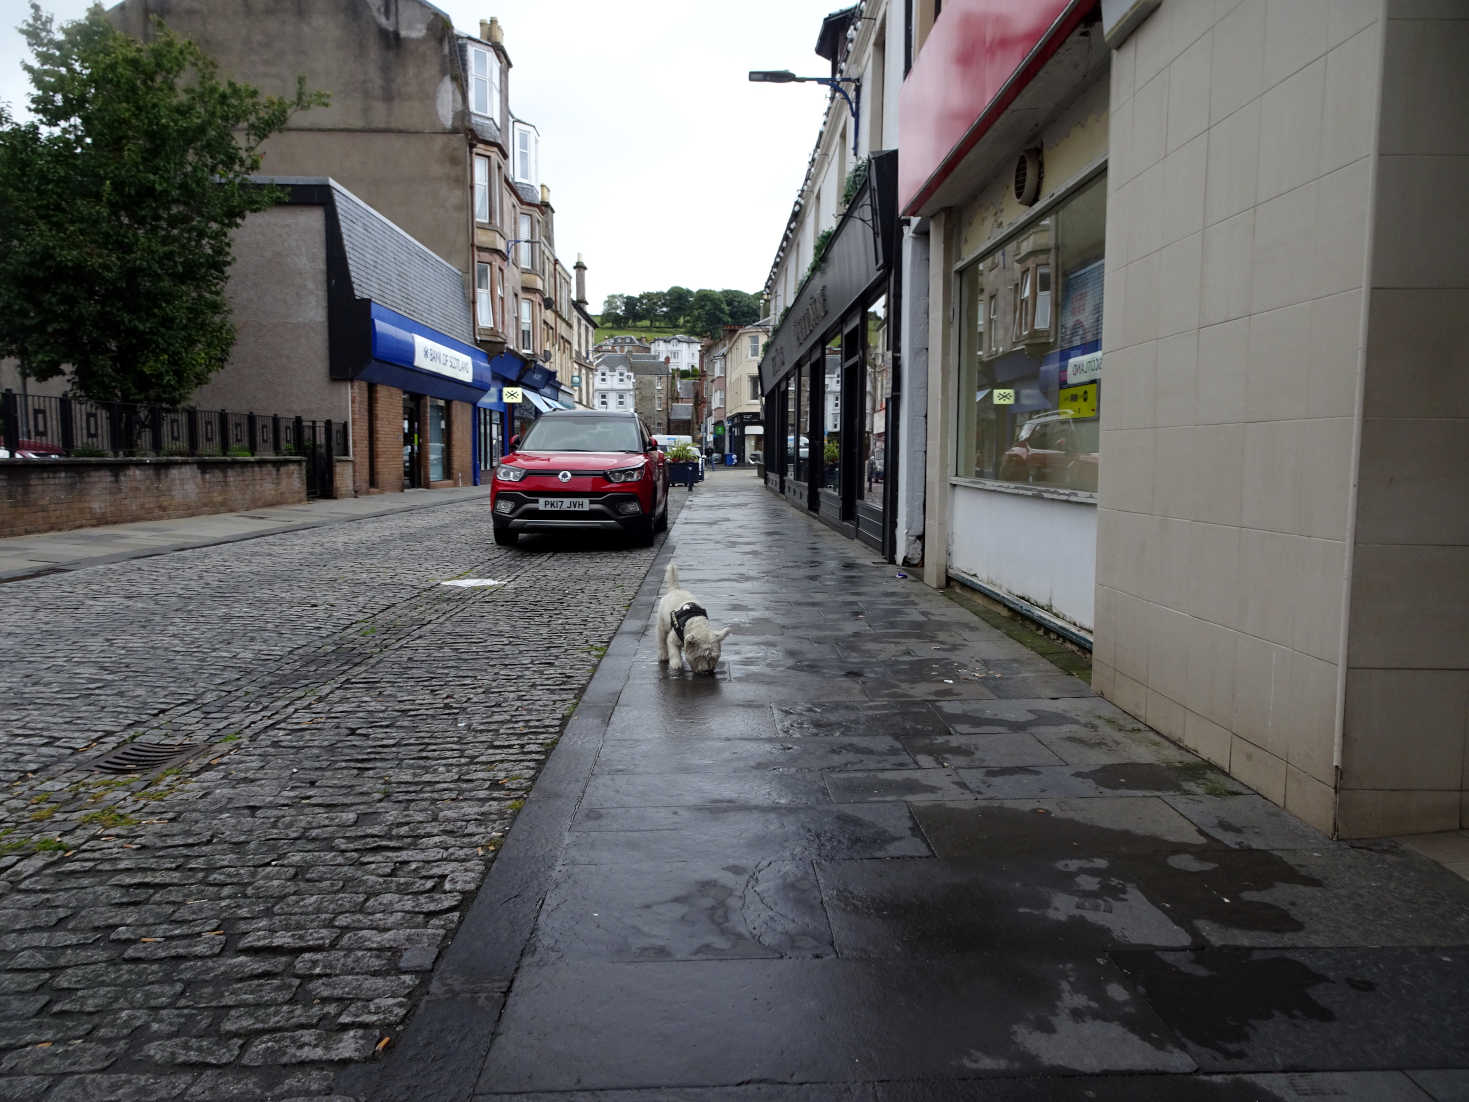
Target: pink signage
{"type": "Point", "coordinates": [961, 81]}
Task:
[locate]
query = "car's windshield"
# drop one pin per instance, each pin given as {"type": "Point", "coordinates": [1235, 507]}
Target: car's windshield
{"type": "Point", "coordinates": [583, 434]}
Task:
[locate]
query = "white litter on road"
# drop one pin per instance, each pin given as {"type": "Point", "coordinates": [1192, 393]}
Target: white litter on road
{"type": "Point", "coordinates": [472, 583]}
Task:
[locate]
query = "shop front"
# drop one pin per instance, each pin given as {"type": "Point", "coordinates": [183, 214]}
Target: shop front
{"type": "Point", "coordinates": [431, 382]}
{"type": "Point", "coordinates": [1016, 210]}
{"type": "Point", "coordinates": [830, 391]}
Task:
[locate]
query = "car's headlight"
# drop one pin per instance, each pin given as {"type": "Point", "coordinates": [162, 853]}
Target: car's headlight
{"type": "Point", "coordinates": [506, 473]}
{"type": "Point", "coordinates": [627, 474]}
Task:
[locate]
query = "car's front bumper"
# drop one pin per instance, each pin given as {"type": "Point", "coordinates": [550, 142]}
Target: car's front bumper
{"type": "Point", "coordinates": [519, 511]}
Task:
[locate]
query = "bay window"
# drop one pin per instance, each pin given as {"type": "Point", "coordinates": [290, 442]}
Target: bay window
{"type": "Point", "coordinates": [484, 82]}
{"type": "Point", "coordinates": [482, 199]}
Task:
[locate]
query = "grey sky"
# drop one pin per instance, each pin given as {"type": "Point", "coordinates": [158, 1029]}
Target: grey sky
{"type": "Point", "coordinates": [665, 165]}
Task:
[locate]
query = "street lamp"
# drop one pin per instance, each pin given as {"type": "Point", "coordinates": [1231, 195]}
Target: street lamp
{"type": "Point", "coordinates": [785, 76]}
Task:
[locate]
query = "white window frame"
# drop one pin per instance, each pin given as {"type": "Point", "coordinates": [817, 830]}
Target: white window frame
{"type": "Point", "coordinates": [484, 204]}
{"type": "Point", "coordinates": [484, 82]}
{"type": "Point", "coordinates": [527, 326]}
{"type": "Point", "coordinates": [527, 228]}
{"type": "Point", "coordinates": [484, 303]}
{"type": "Point", "coordinates": [754, 346]}
{"type": "Point", "coordinates": [524, 154]}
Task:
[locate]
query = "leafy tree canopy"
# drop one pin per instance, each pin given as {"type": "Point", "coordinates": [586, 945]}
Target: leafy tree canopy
{"type": "Point", "coordinates": [116, 208]}
{"type": "Point", "coordinates": [709, 312]}
{"type": "Point", "coordinates": [704, 311]}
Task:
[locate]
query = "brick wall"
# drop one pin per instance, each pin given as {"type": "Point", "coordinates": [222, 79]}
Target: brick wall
{"type": "Point", "coordinates": [361, 432]}
{"type": "Point", "coordinates": [60, 494]}
{"type": "Point", "coordinates": [387, 438]}
{"type": "Point", "coordinates": [461, 430]}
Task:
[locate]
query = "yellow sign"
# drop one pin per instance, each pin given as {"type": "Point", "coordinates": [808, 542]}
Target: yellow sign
{"type": "Point", "coordinates": [511, 395]}
{"type": "Point", "coordinates": [1002, 397]}
{"type": "Point", "coordinates": [1079, 401]}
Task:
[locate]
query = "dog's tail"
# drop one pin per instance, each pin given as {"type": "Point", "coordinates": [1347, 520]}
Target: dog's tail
{"type": "Point", "coordinates": [670, 576]}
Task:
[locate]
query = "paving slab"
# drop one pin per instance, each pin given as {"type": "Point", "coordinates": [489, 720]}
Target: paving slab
{"type": "Point", "coordinates": [703, 1023]}
{"type": "Point", "coordinates": [1311, 1009]}
{"type": "Point", "coordinates": [600, 835]}
{"type": "Point", "coordinates": [646, 908]}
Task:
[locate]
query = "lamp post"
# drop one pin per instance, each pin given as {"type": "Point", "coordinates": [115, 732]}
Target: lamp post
{"type": "Point", "coordinates": [785, 76]}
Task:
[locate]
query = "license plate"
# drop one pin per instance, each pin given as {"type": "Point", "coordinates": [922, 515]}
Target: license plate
{"type": "Point", "coordinates": [563, 505]}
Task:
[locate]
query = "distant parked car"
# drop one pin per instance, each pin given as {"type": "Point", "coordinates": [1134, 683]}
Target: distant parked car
{"type": "Point", "coordinates": [33, 449]}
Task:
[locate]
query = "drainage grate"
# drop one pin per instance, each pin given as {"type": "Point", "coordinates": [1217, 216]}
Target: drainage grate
{"type": "Point", "coordinates": [135, 757]}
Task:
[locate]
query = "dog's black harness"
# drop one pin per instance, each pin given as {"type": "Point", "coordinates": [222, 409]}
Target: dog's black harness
{"type": "Point", "coordinates": [683, 614]}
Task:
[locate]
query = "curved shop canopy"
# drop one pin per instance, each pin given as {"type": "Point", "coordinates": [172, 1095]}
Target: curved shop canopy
{"type": "Point", "coordinates": [409, 355]}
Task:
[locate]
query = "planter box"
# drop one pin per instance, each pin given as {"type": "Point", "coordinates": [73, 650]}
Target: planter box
{"type": "Point", "coordinates": [685, 474]}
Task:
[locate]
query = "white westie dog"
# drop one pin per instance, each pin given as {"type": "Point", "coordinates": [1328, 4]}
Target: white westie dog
{"type": "Point", "coordinates": [684, 630]}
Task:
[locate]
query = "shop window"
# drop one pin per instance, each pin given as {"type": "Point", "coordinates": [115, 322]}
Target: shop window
{"type": "Point", "coordinates": [831, 417]}
{"type": "Point", "coordinates": [877, 388]}
{"type": "Point", "coordinates": [1030, 351]}
{"type": "Point", "coordinates": [438, 439]}
{"type": "Point", "coordinates": [488, 423]}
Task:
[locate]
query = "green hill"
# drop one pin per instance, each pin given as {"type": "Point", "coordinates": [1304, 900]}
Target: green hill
{"type": "Point", "coordinates": [642, 332]}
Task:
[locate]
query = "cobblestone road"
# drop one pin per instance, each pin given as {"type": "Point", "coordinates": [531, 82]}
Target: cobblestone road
{"type": "Point", "coordinates": [240, 924]}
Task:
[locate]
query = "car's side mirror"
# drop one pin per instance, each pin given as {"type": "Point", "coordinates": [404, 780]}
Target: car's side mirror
{"type": "Point", "coordinates": [514, 442]}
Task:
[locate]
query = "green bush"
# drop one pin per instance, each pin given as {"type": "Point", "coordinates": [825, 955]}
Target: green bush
{"type": "Point", "coordinates": [683, 453]}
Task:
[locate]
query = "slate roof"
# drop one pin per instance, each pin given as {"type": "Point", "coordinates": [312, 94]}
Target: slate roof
{"type": "Point", "coordinates": [391, 268]}
{"type": "Point", "coordinates": [529, 192]}
{"type": "Point", "coordinates": [485, 127]}
{"type": "Point", "coordinates": [640, 363]}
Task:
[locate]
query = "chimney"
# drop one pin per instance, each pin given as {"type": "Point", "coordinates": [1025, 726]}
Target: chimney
{"type": "Point", "coordinates": [581, 280]}
{"type": "Point", "coordinates": [491, 31]}
{"type": "Point", "coordinates": [545, 194]}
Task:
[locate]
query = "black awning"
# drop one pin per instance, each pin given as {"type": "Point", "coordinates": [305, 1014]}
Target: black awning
{"type": "Point", "coordinates": [859, 255]}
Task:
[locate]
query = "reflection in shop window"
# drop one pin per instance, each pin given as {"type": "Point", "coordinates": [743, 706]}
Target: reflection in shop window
{"type": "Point", "coordinates": [877, 389]}
{"type": "Point", "coordinates": [1030, 351]}
{"type": "Point", "coordinates": [831, 417]}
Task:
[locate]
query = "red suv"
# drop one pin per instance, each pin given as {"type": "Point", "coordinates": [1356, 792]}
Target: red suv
{"type": "Point", "coordinates": [586, 469]}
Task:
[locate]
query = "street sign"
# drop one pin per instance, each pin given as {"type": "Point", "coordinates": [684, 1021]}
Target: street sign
{"type": "Point", "coordinates": [512, 395]}
{"type": "Point", "coordinates": [1003, 397]}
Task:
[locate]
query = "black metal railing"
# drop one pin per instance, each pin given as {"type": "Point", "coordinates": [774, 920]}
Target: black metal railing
{"type": "Point", "coordinates": [45, 427]}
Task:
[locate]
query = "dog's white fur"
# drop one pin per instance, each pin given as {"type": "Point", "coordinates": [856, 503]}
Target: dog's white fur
{"type": "Point", "coordinates": [701, 643]}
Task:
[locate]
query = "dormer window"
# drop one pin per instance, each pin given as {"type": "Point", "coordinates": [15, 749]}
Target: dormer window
{"type": "Point", "coordinates": [526, 141]}
{"type": "Point", "coordinates": [484, 82]}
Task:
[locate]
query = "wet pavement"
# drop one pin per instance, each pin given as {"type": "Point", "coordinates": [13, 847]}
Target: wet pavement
{"type": "Point", "coordinates": [888, 853]}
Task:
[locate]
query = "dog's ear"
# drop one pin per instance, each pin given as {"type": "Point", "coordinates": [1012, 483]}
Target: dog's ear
{"type": "Point", "coordinates": [720, 634]}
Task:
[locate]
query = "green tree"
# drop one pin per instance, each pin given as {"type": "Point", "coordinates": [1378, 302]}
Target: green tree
{"type": "Point", "coordinates": [612, 310]}
{"type": "Point", "coordinates": [117, 204]}
{"type": "Point", "coordinates": [633, 309]}
{"type": "Point", "coordinates": [655, 307]}
{"type": "Point", "coordinates": [709, 312]}
{"type": "Point", "coordinates": [743, 307]}
{"type": "Point", "coordinates": [677, 302]}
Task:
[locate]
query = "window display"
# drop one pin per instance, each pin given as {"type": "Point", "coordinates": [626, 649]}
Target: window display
{"type": "Point", "coordinates": [1030, 350]}
{"type": "Point", "coordinates": [831, 418]}
{"type": "Point", "coordinates": [877, 389]}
